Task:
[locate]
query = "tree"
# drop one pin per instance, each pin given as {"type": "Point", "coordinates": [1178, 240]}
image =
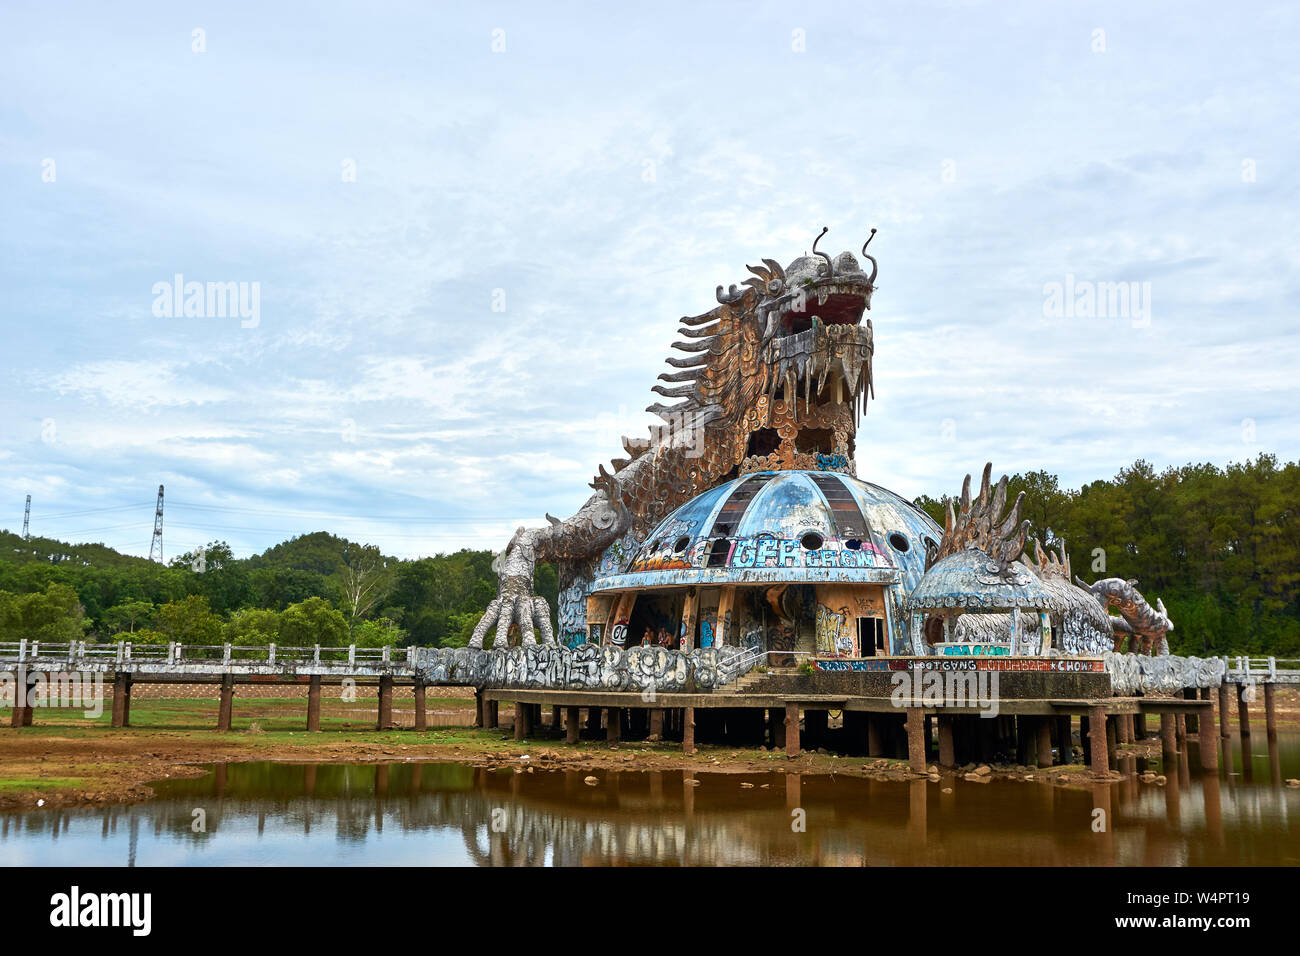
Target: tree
{"type": "Point", "coordinates": [189, 621]}
{"type": "Point", "coordinates": [366, 580]}
{"type": "Point", "coordinates": [313, 621]}
{"type": "Point", "coordinates": [127, 616]}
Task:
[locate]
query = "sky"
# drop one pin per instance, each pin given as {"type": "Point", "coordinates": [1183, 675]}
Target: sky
{"type": "Point", "coordinates": [471, 229]}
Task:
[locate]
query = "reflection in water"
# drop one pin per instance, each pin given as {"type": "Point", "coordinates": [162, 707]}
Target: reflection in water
{"type": "Point", "coordinates": [440, 813]}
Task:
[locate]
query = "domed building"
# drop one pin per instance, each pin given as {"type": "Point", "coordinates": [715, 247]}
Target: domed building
{"type": "Point", "coordinates": [801, 562]}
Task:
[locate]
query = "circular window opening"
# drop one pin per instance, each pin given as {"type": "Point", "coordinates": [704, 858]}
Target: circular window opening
{"type": "Point", "coordinates": [853, 544]}
{"type": "Point", "coordinates": [680, 544]}
{"type": "Point", "coordinates": [811, 540]}
{"type": "Point", "coordinates": [898, 542]}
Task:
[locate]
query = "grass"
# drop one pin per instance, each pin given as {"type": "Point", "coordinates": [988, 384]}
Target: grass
{"type": "Point", "coordinates": [39, 783]}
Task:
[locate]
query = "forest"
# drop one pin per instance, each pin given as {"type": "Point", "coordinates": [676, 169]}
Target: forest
{"type": "Point", "coordinates": [1220, 546]}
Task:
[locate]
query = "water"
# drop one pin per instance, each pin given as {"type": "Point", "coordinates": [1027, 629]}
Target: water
{"type": "Point", "coordinates": [451, 814]}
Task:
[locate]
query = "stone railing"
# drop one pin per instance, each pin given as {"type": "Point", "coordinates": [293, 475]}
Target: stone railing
{"type": "Point", "coordinates": [1168, 674]}
{"type": "Point", "coordinates": [585, 667]}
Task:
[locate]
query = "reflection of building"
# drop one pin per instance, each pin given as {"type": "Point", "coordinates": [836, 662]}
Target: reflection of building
{"type": "Point", "coordinates": [804, 561]}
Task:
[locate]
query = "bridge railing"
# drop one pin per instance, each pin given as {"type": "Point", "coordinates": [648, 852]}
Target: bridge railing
{"type": "Point", "coordinates": [1265, 669]}
{"type": "Point", "coordinates": [124, 651]}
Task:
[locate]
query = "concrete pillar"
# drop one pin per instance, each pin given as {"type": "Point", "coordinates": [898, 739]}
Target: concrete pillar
{"type": "Point", "coordinates": [947, 757]}
{"type": "Point", "coordinates": [875, 746]}
{"type": "Point", "coordinates": [776, 718]}
{"type": "Point", "coordinates": [1065, 739]}
{"type": "Point", "coordinates": [119, 701]}
{"type": "Point", "coordinates": [571, 725]}
{"type": "Point", "coordinates": [555, 718]}
{"type": "Point", "coordinates": [480, 717]}
{"type": "Point", "coordinates": [1225, 697]}
{"type": "Point", "coordinates": [385, 703]}
{"type": "Point", "coordinates": [1044, 741]}
{"type": "Point", "coordinates": [491, 713]}
{"type": "Point", "coordinates": [126, 706]}
{"type": "Point", "coordinates": [1209, 737]}
{"type": "Point", "coordinates": [1168, 741]}
{"type": "Point", "coordinates": [1189, 693]}
{"type": "Point", "coordinates": [791, 730]}
{"type": "Point", "coordinates": [688, 730]}
{"type": "Point", "coordinates": [656, 724]}
{"type": "Point", "coordinates": [1097, 741]}
{"type": "Point", "coordinates": [1085, 739]}
{"type": "Point", "coordinates": [1123, 728]}
{"type": "Point", "coordinates": [313, 704]}
{"type": "Point", "coordinates": [1270, 711]}
{"type": "Point", "coordinates": [593, 719]}
{"type": "Point", "coordinates": [22, 716]}
{"type": "Point", "coordinates": [1112, 742]}
{"type": "Point", "coordinates": [521, 721]}
{"type": "Point", "coordinates": [916, 739]}
{"type": "Point", "coordinates": [613, 725]}
{"type": "Point", "coordinates": [1243, 711]}
{"type": "Point", "coordinates": [227, 705]}
{"type": "Point", "coordinates": [421, 718]}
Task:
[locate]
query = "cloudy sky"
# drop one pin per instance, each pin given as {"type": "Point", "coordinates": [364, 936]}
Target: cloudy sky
{"type": "Point", "coordinates": [472, 228]}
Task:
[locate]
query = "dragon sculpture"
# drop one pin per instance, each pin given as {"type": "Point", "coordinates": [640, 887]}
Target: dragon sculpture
{"type": "Point", "coordinates": [775, 377]}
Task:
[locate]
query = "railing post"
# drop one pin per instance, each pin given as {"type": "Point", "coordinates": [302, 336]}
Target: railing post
{"type": "Point", "coordinates": [352, 655]}
{"type": "Point", "coordinates": [36, 649]}
{"type": "Point", "coordinates": [121, 645]}
{"type": "Point", "coordinates": [128, 650]}
{"type": "Point", "coordinates": [271, 655]}
{"type": "Point", "coordinates": [225, 654]}
{"type": "Point", "coordinates": [171, 652]}
{"type": "Point", "coordinates": [316, 655]}
{"type": "Point", "coordinates": [384, 655]}
{"type": "Point", "coordinates": [22, 649]}
{"type": "Point", "coordinates": [1272, 668]}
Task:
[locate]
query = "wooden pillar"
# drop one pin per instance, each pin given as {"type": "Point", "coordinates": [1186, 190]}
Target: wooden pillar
{"type": "Point", "coordinates": [480, 717]}
{"type": "Point", "coordinates": [947, 753]}
{"type": "Point", "coordinates": [656, 724]}
{"type": "Point", "coordinates": [613, 724]}
{"type": "Point", "coordinates": [688, 730]}
{"type": "Point", "coordinates": [1065, 739]}
{"type": "Point", "coordinates": [226, 708]}
{"type": "Point", "coordinates": [1168, 741]}
{"type": "Point", "coordinates": [1270, 712]}
{"type": "Point", "coordinates": [1097, 741]}
{"type": "Point", "coordinates": [421, 717]}
{"type": "Point", "coordinates": [916, 739]}
{"type": "Point", "coordinates": [1044, 741]}
{"type": "Point", "coordinates": [521, 720]}
{"type": "Point", "coordinates": [571, 725]}
{"type": "Point", "coordinates": [491, 713]}
{"type": "Point", "coordinates": [119, 702]}
{"type": "Point", "coordinates": [792, 729]}
{"type": "Point", "coordinates": [1209, 735]}
{"type": "Point", "coordinates": [385, 721]}
{"type": "Point", "coordinates": [313, 704]}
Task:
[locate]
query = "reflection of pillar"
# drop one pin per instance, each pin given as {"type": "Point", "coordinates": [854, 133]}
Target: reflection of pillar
{"type": "Point", "coordinates": [688, 781]}
{"type": "Point", "coordinates": [1213, 808]}
{"type": "Point", "coordinates": [1208, 736]}
{"type": "Point", "coordinates": [947, 757]}
{"type": "Point", "coordinates": [656, 788]}
{"type": "Point", "coordinates": [916, 738]}
{"type": "Point", "coordinates": [381, 780]}
{"type": "Point", "coordinates": [1274, 764]}
{"type": "Point", "coordinates": [313, 703]}
{"type": "Point", "coordinates": [1065, 739]}
{"type": "Point", "coordinates": [613, 724]}
{"type": "Point", "coordinates": [916, 813]}
{"type": "Point", "coordinates": [309, 780]}
{"type": "Point", "coordinates": [1270, 711]}
{"type": "Point", "coordinates": [1173, 790]}
{"type": "Point", "coordinates": [1101, 801]}
{"type": "Point", "coordinates": [571, 725]}
{"type": "Point", "coordinates": [1044, 741]}
{"type": "Point", "coordinates": [227, 705]}
{"type": "Point", "coordinates": [421, 717]}
{"type": "Point", "coordinates": [1243, 711]}
{"type": "Point", "coordinates": [688, 730]}
{"type": "Point", "coordinates": [119, 703]}
{"type": "Point", "coordinates": [1097, 741]}
{"type": "Point", "coordinates": [793, 791]}
{"type": "Point", "coordinates": [386, 702]}
{"type": "Point", "coordinates": [791, 729]}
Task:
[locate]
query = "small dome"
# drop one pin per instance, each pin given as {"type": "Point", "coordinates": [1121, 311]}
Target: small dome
{"type": "Point", "coordinates": [777, 526]}
{"type": "Point", "coordinates": [972, 580]}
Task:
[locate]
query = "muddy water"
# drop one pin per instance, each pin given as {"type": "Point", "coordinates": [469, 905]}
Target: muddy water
{"type": "Point", "coordinates": [450, 814]}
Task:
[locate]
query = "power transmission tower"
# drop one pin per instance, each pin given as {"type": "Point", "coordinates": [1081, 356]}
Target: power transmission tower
{"type": "Point", "coordinates": [155, 546]}
{"type": "Point", "coordinates": [27, 517]}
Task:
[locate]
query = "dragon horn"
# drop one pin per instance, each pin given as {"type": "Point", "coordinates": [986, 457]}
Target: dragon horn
{"type": "Point", "coordinates": [830, 266]}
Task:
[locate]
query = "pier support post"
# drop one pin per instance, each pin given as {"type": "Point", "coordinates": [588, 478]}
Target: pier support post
{"type": "Point", "coordinates": [227, 705]}
{"type": "Point", "coordinates": [656, 724]}
{"type": "Point", "coordinates": [22, 716]}
{"type": "Point", "coordinates": [875, 747]}
{"type": "Point", "coordinates": [385, 721]}
{"type": "Point", "coordinates": [571, 725]}
{"type": "Point", "coordinates": [313, 704]}
{"type": "Point", "coordinates": [480, 718]}
{"type": "Point", "coordinates": [492, 713]}
{"type": "Point", "coordinates": [1044, 742]}
{"type": "Point", "coordinates": [815, 722]}
{"type": "Point", "coordinates": [1189, 693]}
{"type": "Point", "coordinates": [688, 730]}
{"type": "Point", "coordinates": [1168, 742]}
{"type": "Point", "coordinates": [1124, 728]}
{"type": "Point", "coordinates": [1097, 741]}
{"type": "Point", "coordinates": [1085, 739]}
{"type": "Point", "coordinates": [916, 739]}
{"type": "Point", "coordinates": [120, 692]}
{"type": "Point", "coordinates": [421, 717]}
{"type": "Point", "coordinates": [521, 721]}
{"type": "Point", "coordinates": [126, 706]}
{"type": "Point", "coordinates": [947, 753]}
{"type": "Point", "coordinates": [555, 718]}
{"type": "Point", "coordinates": [1065, 739]}
{"type": "Point", "coordinates": [1225, 695]}
{"type": "Point", "coordinates": [613, 725]}
{"type": "Point", "coordinates": [1270, 712]}
{"type": "Point", "coordinates": [1112, 743]}
{"type": "Point", "coordinates": [1243, 712]}
{"type": "Point", "coordinates": [1208, 735]}
{"type": "Point", "coordinates": [791, 730]}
